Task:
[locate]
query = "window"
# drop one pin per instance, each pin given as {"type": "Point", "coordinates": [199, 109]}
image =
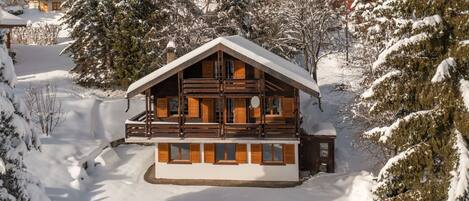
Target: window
{"type": "Point", "coordinates": [225, 152]}
{"type": "Point", "coordinates": [56, 5]}
{"type": "Point", "coordinates": [230, 108]}
{"type": "Point", "coordinates": [272, 153]}
{"type": "Point", "coordinates": [179, 152]}
{"type": "Point", "coordinates": [273, 106]}
{"type": "Point", "coordinates": [229, 69]}
{"type": "Point", "coordinates": [173, 105]}
{"type": "Point", "coordinates": [324, 150]}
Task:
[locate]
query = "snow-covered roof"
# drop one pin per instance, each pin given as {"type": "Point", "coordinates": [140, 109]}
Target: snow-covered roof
{"type": "Point", "coordinates": [7, 19]}
{"type": "Point", "coordinates": [322, 129]}
{"type": "Point", "coordinates": [240, 48]}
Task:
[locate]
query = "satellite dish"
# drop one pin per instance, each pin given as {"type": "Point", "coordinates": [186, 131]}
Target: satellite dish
{"type": "Point", "coordinates": [255, 102]}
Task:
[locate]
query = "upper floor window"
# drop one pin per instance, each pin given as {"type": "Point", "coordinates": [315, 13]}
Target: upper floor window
{"type": "Point", "coordinates": [173, 105]}
{"type": "Point", "coordinates": [272, 105]}
{"type": "Point", "coordinates": [225, 152]}
{"type": "Point", "coordinates": [179, 152]}
{"type": "Point", "coordinates": [272, 153]}
{"type": "Point", "coordinates": [229, 69]}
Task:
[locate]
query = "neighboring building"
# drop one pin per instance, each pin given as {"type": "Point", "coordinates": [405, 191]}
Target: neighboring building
{"type": "Point", "coordinates": [228, 110]}
{"type": "Point", "coordinates": [9, 21]}
{"type": "Point", "coordinates": [50, 5]}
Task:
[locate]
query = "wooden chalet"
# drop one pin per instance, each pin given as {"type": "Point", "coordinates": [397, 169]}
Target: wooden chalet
{"type": "Point", "coordinates": [10, 21]}
{"type": "Point", "coordinates": [227, 102]}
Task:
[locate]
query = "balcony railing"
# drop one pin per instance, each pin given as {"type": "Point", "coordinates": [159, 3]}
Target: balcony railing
{"type": "Point", "coordinates": [241, 86]}
{"type": "Point", "coordinates": [201, 85]}
{"type": "Point", "coordinates": [210, 85]}
{"type": "Point", "coordinates": [206, 130]}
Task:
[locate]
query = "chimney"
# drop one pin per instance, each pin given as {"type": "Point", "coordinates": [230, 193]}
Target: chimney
{"type": "Point", "coordinates": [170, 52]}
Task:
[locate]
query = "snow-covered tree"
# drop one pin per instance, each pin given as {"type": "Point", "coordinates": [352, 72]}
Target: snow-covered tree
{"type": "Point", "coordinates": [311, 29]}
{"type": "Point", "coordinates": [234, 17]}
{"type": "Point", "coordinates": [90, 22]}
{"type": "Point", "coordinates": [417, 96]}
{"type": "Point", "coordinates": [130, 26]}
{"type": "Point", "coordinates": [17, 135]}
{"type": "Point", "coordinates": [179, 21]}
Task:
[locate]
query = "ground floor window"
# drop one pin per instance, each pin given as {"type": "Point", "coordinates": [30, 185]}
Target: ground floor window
{"type": "Point", "coordinates": [225, 152]}
{"type": "Point", "coordinates": [179, 152]}
{"type": "Point", "coordinates": [272, 153]}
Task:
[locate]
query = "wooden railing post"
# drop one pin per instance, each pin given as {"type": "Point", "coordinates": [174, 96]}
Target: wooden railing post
{"type": "Point", "coordinates": [181, 104]}
{"type": "Point", "coordinates": [147, 114]}
{"type": "Point", "coordinates": [262, 97]}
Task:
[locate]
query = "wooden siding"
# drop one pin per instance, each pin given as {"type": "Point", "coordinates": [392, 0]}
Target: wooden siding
{"type": "Point", "coordinates": [239, 70]}
{"type": "Point", "coordinates": [288, 107]}
{"type": "Point", "coordinates": [208, 69]}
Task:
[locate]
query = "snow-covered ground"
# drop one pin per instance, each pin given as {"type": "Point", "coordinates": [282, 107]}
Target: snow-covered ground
{"type": "Point", "coordinates": [94, 118]}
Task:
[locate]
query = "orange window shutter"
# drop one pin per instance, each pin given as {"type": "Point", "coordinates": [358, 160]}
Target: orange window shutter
{"type": "Point", "coordinates": [208, 110]}
{"type": "Point", "coordinates": [163, 155]}
{"type": "Point", "coordinates": [288, 107]}
{"type": "Point", "coordinates": [239, 110]}
{"type": "Point", "coordinates": [209, 153]}
{"type": "Point", "coordinates": [239, 70]}
{"type": "Point", "coordinates": [195, 153]}
{"type": "Point", "coordinates": [289, 153]}
{"type": "Point", "coordinates": [193, 106]}
{"type": "Point", "coordinates": [207, 69]}
{"type": "Point", "coordinates": [162, 107]}
{"type": "Point", "coordinates": [256, 153]}
{"type": "Point", "coordinates": [241, 153]}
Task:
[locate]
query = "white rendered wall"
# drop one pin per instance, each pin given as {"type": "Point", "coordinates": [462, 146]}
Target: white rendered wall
{"type": "Point", "coordinates": [247, 172]}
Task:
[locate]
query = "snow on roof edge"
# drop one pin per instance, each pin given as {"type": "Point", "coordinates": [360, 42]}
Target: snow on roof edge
{"type": "Point", "coordinates": [260, 55]}
{"type": "Point", "coordinates": [8, 19]}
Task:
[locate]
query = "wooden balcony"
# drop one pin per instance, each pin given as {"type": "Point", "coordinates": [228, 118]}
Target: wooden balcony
{"type": "Point", "coordinates": [241, 86]}
{"type": "Point", "coordinates": [201, 86]}
{"type": "Point", "coordinates": [212, 86]}
{"type": "Point", "coordinates": [136, 127]}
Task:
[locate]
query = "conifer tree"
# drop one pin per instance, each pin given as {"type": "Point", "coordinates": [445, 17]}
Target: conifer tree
{"type": "Point", "coordinates": [234, 17]}
{"type": "Point", "coordinates": [179, 21]}
{"type": "Point", "coordinates": [16, 137]}
{"type": "Point", "coordinates": [416, 96]}
{"type": "Point", "coordinates": [130, 27]}
{"type": "Point", "coordinates": [91, 22]}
